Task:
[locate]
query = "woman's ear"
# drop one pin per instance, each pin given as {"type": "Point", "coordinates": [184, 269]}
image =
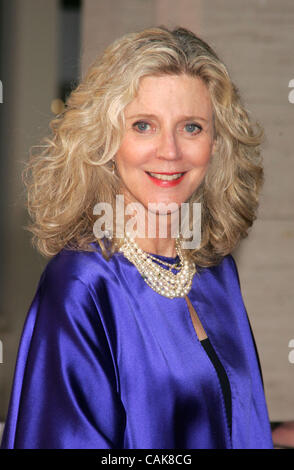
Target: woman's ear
{"type": "Point", "coordinates": [113, 168]}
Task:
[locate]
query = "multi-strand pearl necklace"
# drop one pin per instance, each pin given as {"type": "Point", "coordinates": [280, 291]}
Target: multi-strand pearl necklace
{"type": "Point", "coordinates": [161, 280]}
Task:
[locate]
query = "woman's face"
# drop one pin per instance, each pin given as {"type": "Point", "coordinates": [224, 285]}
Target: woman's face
{"type": "Point", "coordinates": [168, 140]}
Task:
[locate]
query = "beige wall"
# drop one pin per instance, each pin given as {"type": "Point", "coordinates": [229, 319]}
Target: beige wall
{"type": "Point", "coordinates": [255, 39]}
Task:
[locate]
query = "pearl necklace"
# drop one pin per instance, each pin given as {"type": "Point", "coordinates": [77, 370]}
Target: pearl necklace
{"type": "Point", "coordinates": [161, 280]}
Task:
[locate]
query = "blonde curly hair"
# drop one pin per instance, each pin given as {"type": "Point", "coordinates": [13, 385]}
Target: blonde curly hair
{"type": "Point", "coordinates": [70, 172]}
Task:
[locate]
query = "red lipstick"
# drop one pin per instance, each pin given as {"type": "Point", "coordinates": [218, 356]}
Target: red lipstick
{"type": "Point", "coordinates": [165, 183]}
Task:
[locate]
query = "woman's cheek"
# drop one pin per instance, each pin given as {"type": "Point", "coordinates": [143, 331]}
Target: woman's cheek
{"type": "Point", "coordinates": [201, 157]}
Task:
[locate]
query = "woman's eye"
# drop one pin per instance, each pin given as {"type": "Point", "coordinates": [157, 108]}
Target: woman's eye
{"type": "Point", "coordinates": [192, 128]}
{"type": "Point", "coordinates": [141, 126]}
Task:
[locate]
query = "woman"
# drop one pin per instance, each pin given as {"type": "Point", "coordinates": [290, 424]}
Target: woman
{"type": "Point", "coordinates": [142, 341]}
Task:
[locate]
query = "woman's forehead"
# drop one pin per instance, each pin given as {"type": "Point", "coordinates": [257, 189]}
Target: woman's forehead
{"type": "Point", "coordinates": [184, 93]}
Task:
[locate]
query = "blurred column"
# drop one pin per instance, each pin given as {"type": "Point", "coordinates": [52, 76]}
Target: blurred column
{"type": "Point", "coordinates": [28, 73]}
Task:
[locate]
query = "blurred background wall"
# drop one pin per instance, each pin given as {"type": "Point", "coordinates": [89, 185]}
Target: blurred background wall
{"type": "Point", "coordinates": [45, 47]}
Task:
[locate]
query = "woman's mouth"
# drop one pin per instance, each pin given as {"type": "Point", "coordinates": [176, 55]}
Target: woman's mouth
{"type": "Point", "coordinates": [166, 179]}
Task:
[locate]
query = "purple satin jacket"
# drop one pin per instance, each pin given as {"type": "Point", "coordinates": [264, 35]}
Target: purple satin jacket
{"type": "Point", "coordinates": [107, 363]}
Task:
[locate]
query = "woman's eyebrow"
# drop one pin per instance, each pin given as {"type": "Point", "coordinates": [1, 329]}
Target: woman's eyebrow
{"type": "Point", "coordinates": [153, 116]}
{"type": "Point", "coordinates": [142, 115]}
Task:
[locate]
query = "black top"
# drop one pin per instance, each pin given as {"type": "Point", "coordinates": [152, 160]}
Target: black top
{"type": "Point", "coordinates": [222, 376]}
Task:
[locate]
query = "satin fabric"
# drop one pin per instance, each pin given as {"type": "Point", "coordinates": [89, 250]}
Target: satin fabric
{"type": "Point", "coordinates": [106, 362]}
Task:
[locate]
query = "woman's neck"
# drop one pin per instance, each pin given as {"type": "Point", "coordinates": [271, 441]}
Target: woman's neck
{"type": "Point", "coordinates": [158, 246]}
{"type": "Point", "coordinates": [156, 230]}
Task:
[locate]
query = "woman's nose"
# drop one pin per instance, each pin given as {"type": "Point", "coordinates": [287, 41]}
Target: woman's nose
{"type": "Point", "coordinates": [168, 146]}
